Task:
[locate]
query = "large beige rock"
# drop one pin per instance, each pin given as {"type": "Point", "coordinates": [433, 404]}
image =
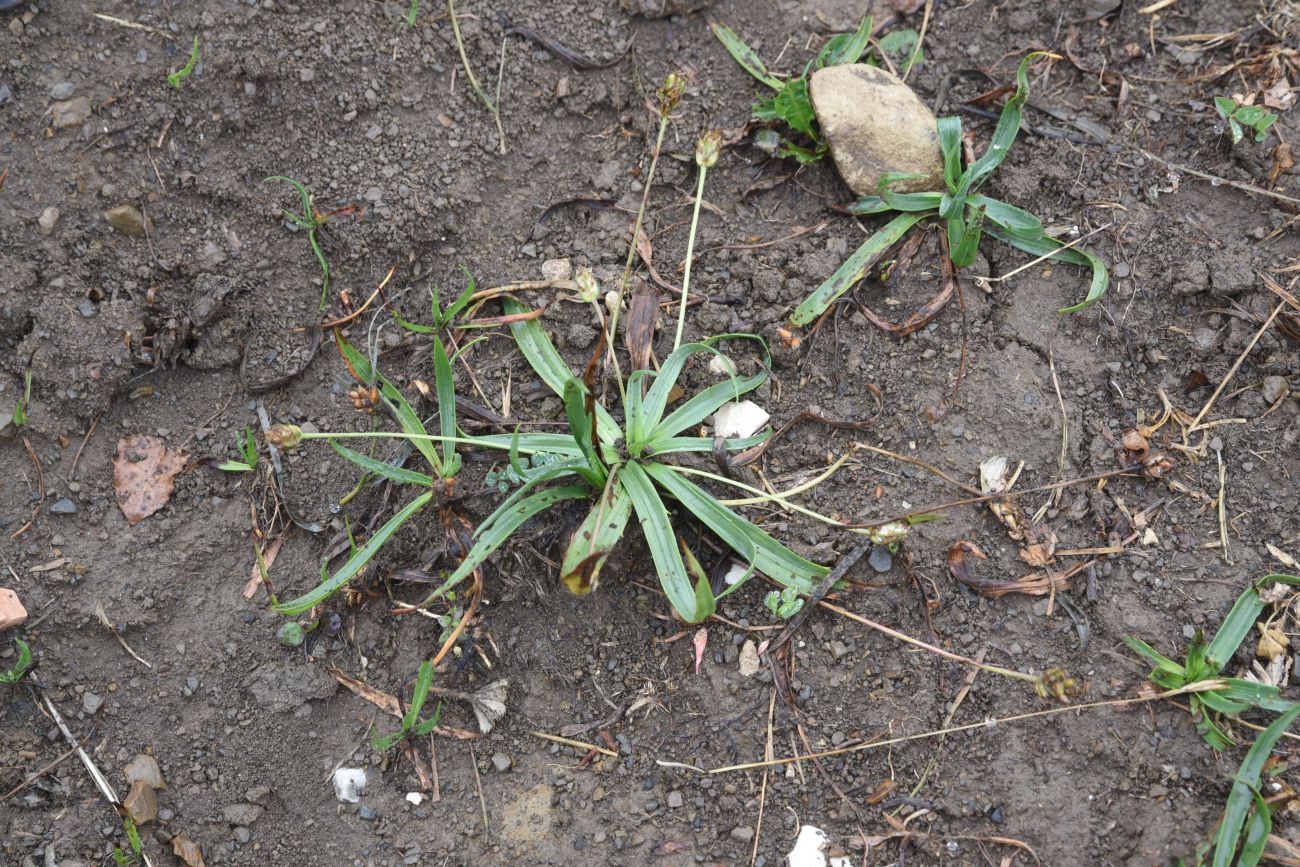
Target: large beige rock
{"type": "Point", "coordinates": [875, 124]}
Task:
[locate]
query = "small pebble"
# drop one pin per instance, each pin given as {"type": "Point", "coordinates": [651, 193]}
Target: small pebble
{"type": "Point", "coordinates": [63, 90]}
{"type": "Point", "coordinates": [367, 815]}
{"type": "Point", "coordinates": [674, 799]}
{"type": "Point", "coordinates": [742, 833]}
{"type": "Point", "coordinates": [502, 762]}
{"type": "Point", "coordinates": [47, 220]}
{"type": "Point", "coordinates": [1122, 270]}
{"type": "Point", "coordinates": [306, 75]}
{"type": "Point", "coordinates": [91, 703]}
{"type": "Point", "coordinates": [63, 506]}
{"type": "Point", "coordinates": [881, 560]}
{"type": "Point", "coordinates": [87, 308]}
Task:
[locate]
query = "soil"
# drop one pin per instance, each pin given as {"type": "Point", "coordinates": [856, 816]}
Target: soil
{"type": "Point", "coordinates": [185, 332]}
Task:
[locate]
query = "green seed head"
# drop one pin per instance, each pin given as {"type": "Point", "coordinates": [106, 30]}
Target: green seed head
{"type": "Point", "coordinates": [588, 285]}
{"type": "Point", "coordinates": [706, 149]}
{"type": "Point", "coordinates": [284, 436]}
{"type": "Point", "coordinates": [670, 93]}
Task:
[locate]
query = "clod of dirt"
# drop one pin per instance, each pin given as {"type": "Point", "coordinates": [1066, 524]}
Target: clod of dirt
{"type": "Point", "coordinates": [12, 612]}
{"type": "Point", "coordinates": [141, 803]}
{"type": "Point", "coordinates": [144, 769]}
{"type": "Point", "coordinates": [349, 784]}
{"type": "Point", "coordinates": [72, 112]}
{"type": "Point", "coordinates": [242, 814]}
{"type": "Point", "coordinates": [749, 664]}
{"type": "Point", "coordinates": [874, 124]}
{"type": "Point", "coordinates": [144, 474]}
{"type": "Point", "coordinates": [662, 8]}
{"type": "Point", "coordinates": [128, 220]}
{"type": "Point", "coordinates": [188, 851]}
{"type": "Point", "coordinates": [280, 688]}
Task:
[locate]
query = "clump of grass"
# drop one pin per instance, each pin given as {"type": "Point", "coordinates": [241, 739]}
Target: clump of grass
{"type": "Point", "coordinates": [311, 220]}
{"type": "Point", "coordinates": [411, 13]}
{"type": "Point", "coordinates": [175, 78]}
{"type": "Point", "coordinates": [22, 666]}
{"type": "Point", "coordinates": [126, 857]}
{"type": "Point", "coordinates": [1247, 817]}
{"type": "Point", "coordinates": [791, 106]}
{"type": "Point", "coordinates": [247, 450]}
{"type": "Point", "coordinates": [1256, 118]}
{"type": "Point", "coordinates": [966, 214]}
{"type": "Point", "coordinates": [412, 725]}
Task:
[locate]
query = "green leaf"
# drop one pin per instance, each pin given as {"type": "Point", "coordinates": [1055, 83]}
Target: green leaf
{"type": "Point", "coordinates": [662, 542]}
{"type": "Point", "coordinates": [445, 384]}
{"type": "Point", "coordinates": [175, 78]}
{"type": "Point", "coordinates": [853, 269]}
{"type": "Point", "coordinates": [968, 234]}
{"type": "Point", "coordinates": [234, 467]}
{"type": "Point", "coordinates": [462, 300]}
{"type": "Point", "coordinates": [423, 680]}
{"type": "Point", "coordinates": [355, 563]}
{"type": "Point", "coordinates": [15, 674]}
{"type": "Point", "coordinates": [1004, 135]}
{"type": "Point", "coordinates": [949, 129]}
{"type": "Point", "coordinates": [596, 537]}
{"type": "Point", "coordinates": [1235, 129]}
{"type": "Point", "coordinates": [1051, 248]}
{"type": "Point", "coordinates": [1012, 220]}
{"type": "Point", "coordinates": [407, 418]}
{"type": "Point", "coordinates": [1244, 787]}
{"type": "Point", "coordinates": [383, 469]}
{"type": "Point", "coordinates": [768, 555]}
{"type": "Point", "coordinates": [500, 526]}
{"type": "Point", "coordinates": [545, 360]}
{"type": "Point", "coordinates": [703, 445]}
{"type": "Point", "coordinates": [847, 47]}
{"type": "Point", "coordinates": [422, 729]}
{"type": "Point", "coordinates": [1159, 660]}
{"type": "Point", "coordinates": [793, 106]}
{"type": "Point", "coordinates": [705, 603]}
{"type": "Point", "coordinates": [580, 425]}
{"type": "Point", "coordinates": [655, 427]}
{"type": "Point", "coordinates": [903, 44]}
{"type": "Point", "coordinates": [1239, 623]}
{"type": "Point", "coordinates": [302, 194]}
{"type": "Point", "coordinates": [1225, 106]}
{"type": "Point", "coordinates": [744, 55]}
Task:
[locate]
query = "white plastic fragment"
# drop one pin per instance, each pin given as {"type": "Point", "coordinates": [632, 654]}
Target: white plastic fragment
{"type": "Point", "coordinates": [415, 798]}
{"type": "Point", "coordinates": [739, 419]}
{"type": "Point", "coordinates": [810, 850]}
{"type": "Point", "coordinates": [349, 783]}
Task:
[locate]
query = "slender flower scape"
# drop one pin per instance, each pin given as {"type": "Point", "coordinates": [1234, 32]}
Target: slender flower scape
{"type": "Point", "coordinates": [706, 156]}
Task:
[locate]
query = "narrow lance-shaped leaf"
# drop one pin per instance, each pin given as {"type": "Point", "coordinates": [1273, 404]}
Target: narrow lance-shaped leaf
{"type": "Point", "coordinates": [383, 469]}
{"type": "Point", "coordinates": [662, 542]}
{"type": "Point", "coordinates": [445, 382]}
{"type": "Point", "coordinates": [744, 55]}
{"type": "Point", "coordinates": [846, 47]}
{"type": "Point", "coordinates": [355, 563]}
{"type": "Point", "coordinates": [596, 537]}
{"type": "Point", "coordinates": [1053, 249]}
{"type": "Point", "coordinates": [853, 269]}
{"type": "Point", "coordinates": [407, 417]}
{"type": "Point", "coordinates": [1244, 786]}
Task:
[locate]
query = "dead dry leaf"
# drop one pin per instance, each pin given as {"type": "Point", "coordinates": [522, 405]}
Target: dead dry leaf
{"type": "Point", "coordinates": [1272, 642]}
{"type": "Point", "coordinates": [187, 850]}
{"type": "Point", "coordinates": [384, 701]}
{"type": "Point", "coordinates": [144, 473]}
{"type": "Point", "coordinates": [1282, 557]}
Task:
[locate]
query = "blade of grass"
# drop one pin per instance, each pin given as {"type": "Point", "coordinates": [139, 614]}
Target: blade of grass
{"type": "Point", "coordinates": [853, 269]}
{"type": "Point", "coordinates": [661, 540]}
{"type": "Point", "coordinates": [445, 382]}
{"type": "Point", "coordinates": [406, 416]}
{"type": "Point", "coordinates": [383, 469]}
{"type": "Point", "coordinates": [744, 55]}
{"type": "Point", "coordinates": [1244, 788]}
{"type": "Point", "coordinates": [355, 563]}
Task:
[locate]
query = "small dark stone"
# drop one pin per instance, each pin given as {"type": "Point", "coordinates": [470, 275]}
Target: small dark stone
{"type": "Point", "coordinates": [996, 817]}
{"type": "Point", "coordinates": [63, 506]}
{"type": "Point", "coordinates": [367, 814]}
{"type": "Point", "coordinates": [881, 560]}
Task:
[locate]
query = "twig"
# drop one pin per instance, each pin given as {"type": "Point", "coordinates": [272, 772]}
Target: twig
{"type": "Point", "coordinates": [1195, 425]}
{"type": "Point", "coordinates": [122, 22]}
{"type": "Point", "coordinates": [478, 781]}
{"type": "Point", "coordinates": [916, 50]}
{"type": "Point", "coordinates": [72, 471]}
{"type": "Point", "coordinates": [1223, 508]}
{"type": "Point", "coordinates": [103, 618]}
{"type": "Point", "coordinates": [570, 742]}
{"type": "Point", "coordinates": [40, 487]}
{"type": "Point", "coordinates": [45, 770]}
{"type": "Point", "coordinates": [494, 110]}
{"type": "Point", "coordinates": [1216, 179]}
{"type": "Point", "coordinates": [762, 794]}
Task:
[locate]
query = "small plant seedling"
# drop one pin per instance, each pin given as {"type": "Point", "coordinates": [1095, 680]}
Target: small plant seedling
{"type": "Point", "coordinates": [122, 856]}
{"type": "Point", "coordinates": [247, 450]}
{"type": "Point", "coordinates": [438, 451]}
{"type": "Point", "coordinates": [1204, 662]}
{"type": "Point", "coordinates": [311, 220]}
{"type": "Point", "coordinates": [791, 104]}
{"type": "Point", "coordinates": [24, 399]}
{"type": "Point", "coordinates": [441, 319]}
{"type": "Point", "coordinates": [175, 78]}
{"type": "Point", "coordinates": [412, 725]}
{"type": "Point", "coordinates": [783, 604]}
{"type": "Point", "coordinates": [412, 12]}
{"type": "Point", "coordinates": [22, 666]}
{"type": "Point", "coordinates": [1253, 117]}
{"type": "Point", "coordinates": [967, 215]}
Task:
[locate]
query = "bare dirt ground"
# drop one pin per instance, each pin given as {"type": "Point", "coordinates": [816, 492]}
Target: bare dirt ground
{"type": "Point", "coordinates": [178, 332]}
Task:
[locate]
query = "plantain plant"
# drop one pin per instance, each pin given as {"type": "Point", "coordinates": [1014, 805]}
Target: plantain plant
{"type": "Point", "coordinates": [967, 214]}
{"type": "Point", "coordinates": [622, 469]}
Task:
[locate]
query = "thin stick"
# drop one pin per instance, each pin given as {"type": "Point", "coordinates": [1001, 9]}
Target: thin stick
{"type": "Point", "coordinates": [72, 471]}
{"type": "Point", "coordinates": [122, 22]}
{"type": "Point", "coordinates": [1216, 179]}
{"type": "Point", "coordinates": [938, 651]}
{"type": "Point", "coordinates": [990, 722]}
{"type": "Point", "coordinates": [478, 782]}
{"type": "Point", "coordinates": [916, 50]}
{"type": "Point", "coordinates": [45, 770]}
{"type": "Point", "coordinates": [762, 794]}
{"type": "Point", "coordinates": [1223, 508]}
{"type": "Point", "coordinates": [570, 742]}
{"type": "Point", "coordinates": [494, 110]}
{"type": "Point", "coordinates": [1195, 425]}
{"type": "Point", "coordinates": [103, 618]}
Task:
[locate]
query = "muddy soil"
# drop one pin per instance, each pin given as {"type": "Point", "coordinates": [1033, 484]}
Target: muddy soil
{"type": "Point", "coordinates": [186, 330]}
